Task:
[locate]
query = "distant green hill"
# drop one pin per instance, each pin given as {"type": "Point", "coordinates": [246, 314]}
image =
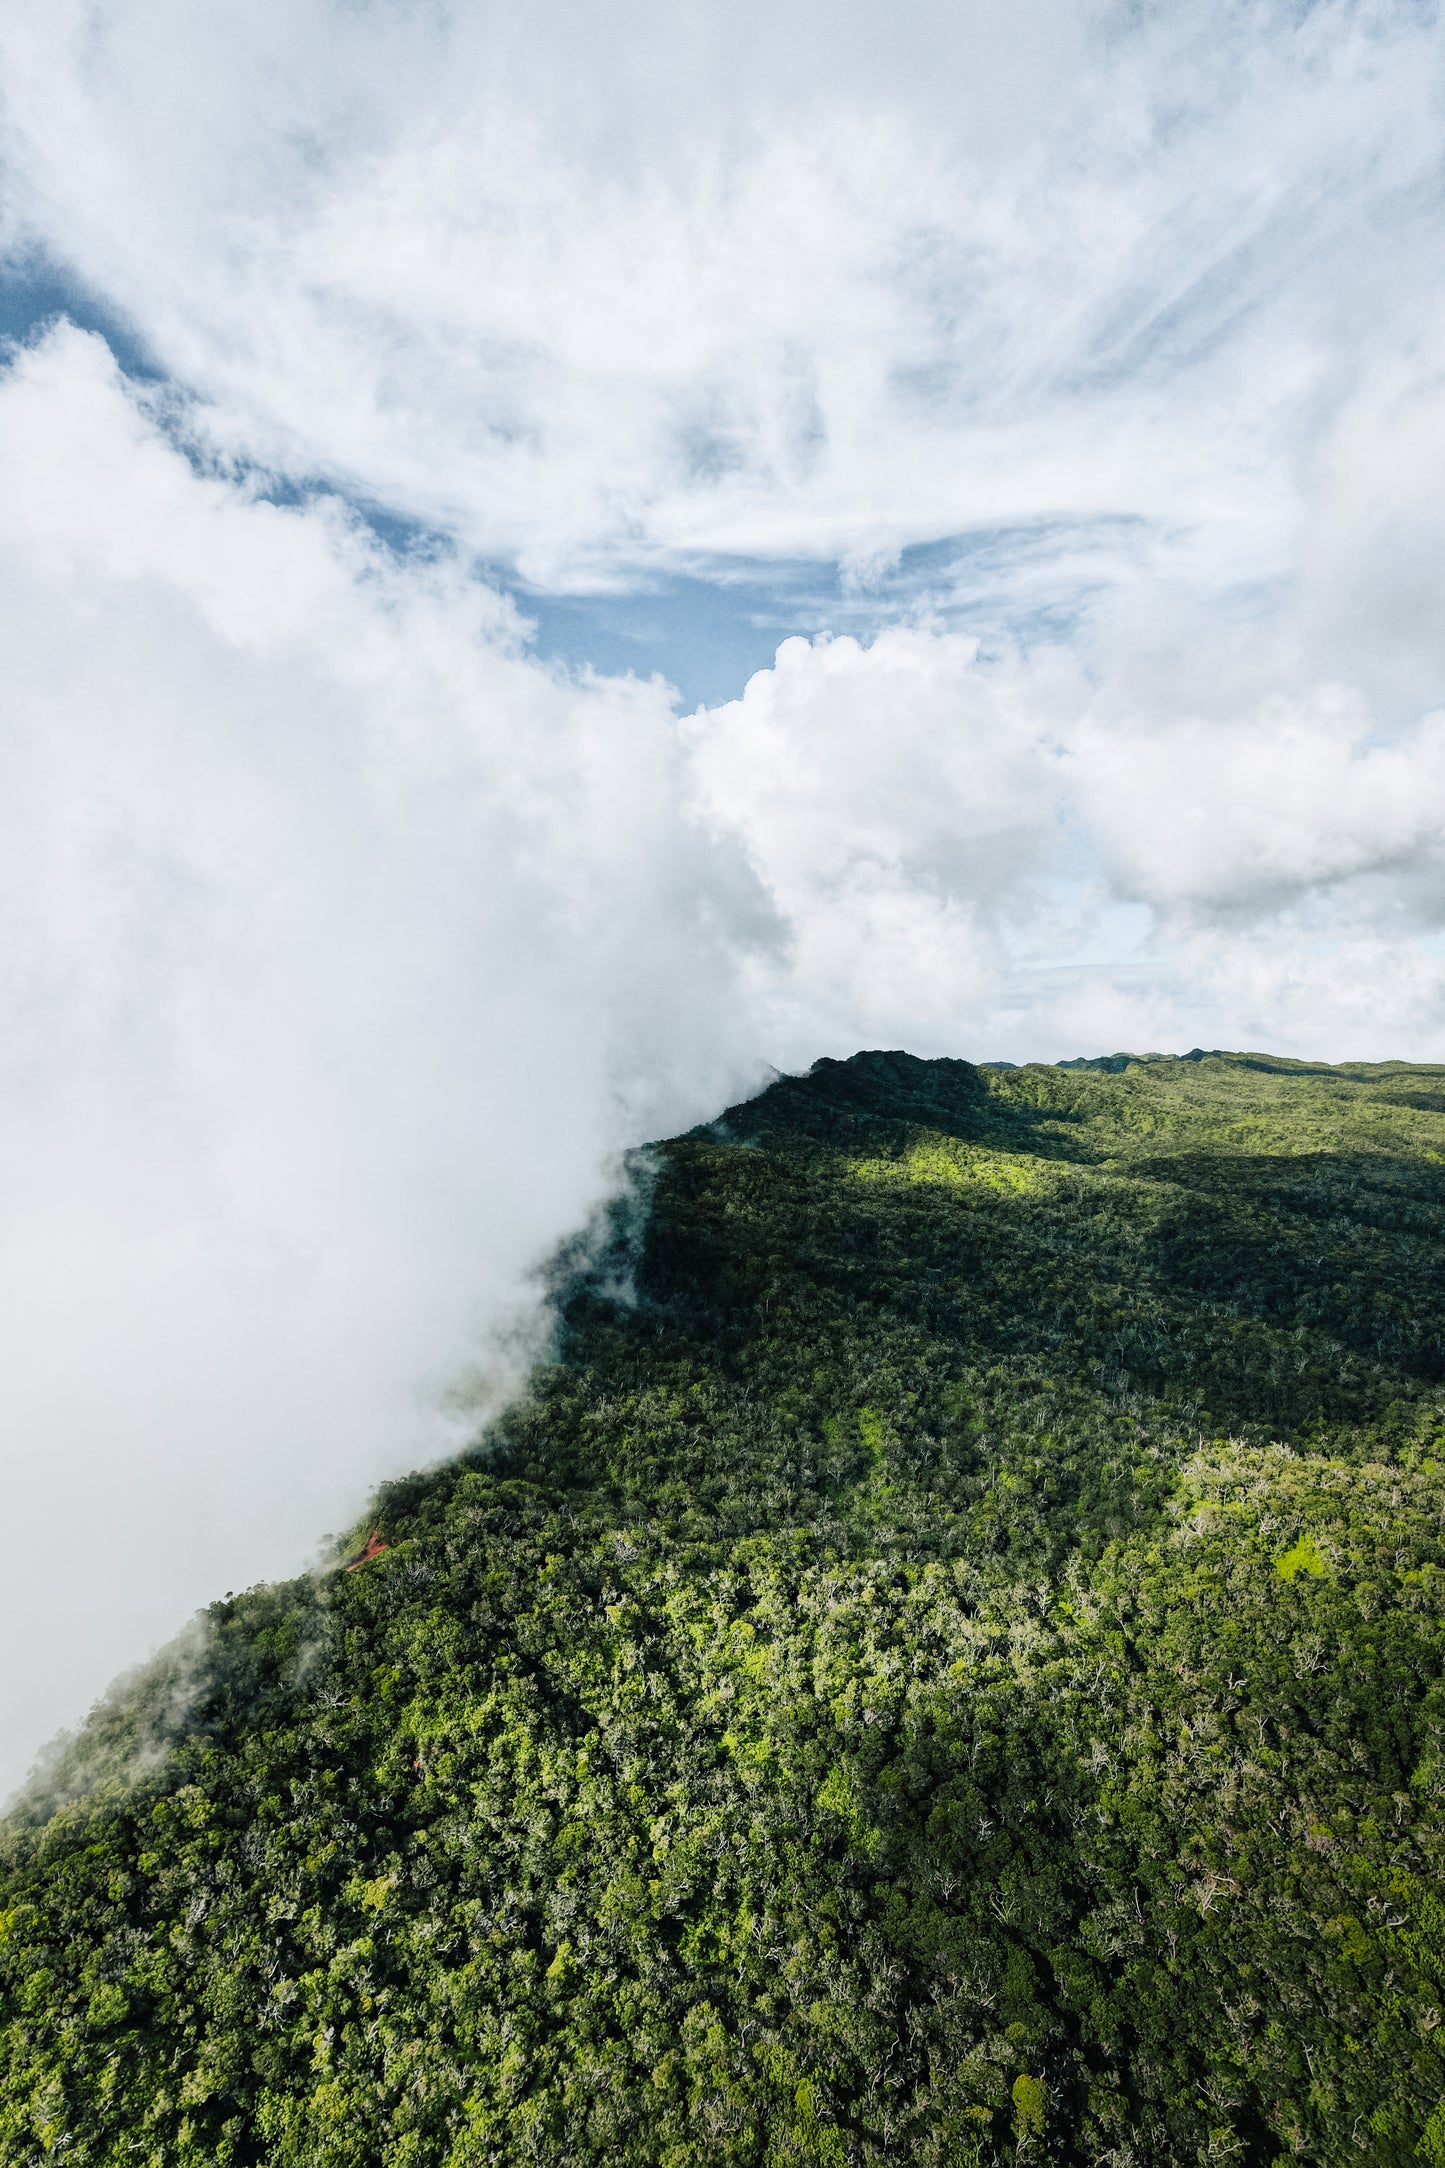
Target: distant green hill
{"type": "Point", "coordinates": [944, 1666]}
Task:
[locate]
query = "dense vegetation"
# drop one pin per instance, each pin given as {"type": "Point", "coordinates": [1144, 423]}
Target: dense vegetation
{"type": "Point", "coordinates": [944, 1665]}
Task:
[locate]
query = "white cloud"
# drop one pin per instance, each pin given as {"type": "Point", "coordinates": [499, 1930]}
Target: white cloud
{"type": "Point", "coordinates": [990, 856]}
{"type": "Point", "coordinates": [342, 945]}
{"type": "Point", "coordinates": [604, 296]}
{"type": "Point", "coordinates": [902, 806]}
{"type": "Point", "coordinates": [1199, 818]}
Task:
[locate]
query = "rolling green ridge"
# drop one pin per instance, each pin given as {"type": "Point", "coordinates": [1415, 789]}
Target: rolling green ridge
{"type": "Point", "coordinates": [944, 1664]}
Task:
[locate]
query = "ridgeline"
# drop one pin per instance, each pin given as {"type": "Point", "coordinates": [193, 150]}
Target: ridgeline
{"type": "Point", "coordinates": [943, 1665]}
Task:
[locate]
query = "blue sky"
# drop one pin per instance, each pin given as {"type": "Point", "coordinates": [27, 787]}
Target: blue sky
{"type": "Point", "coordinates": [34, 291]}
{"type": "Point", "coordinates": [706, 628]}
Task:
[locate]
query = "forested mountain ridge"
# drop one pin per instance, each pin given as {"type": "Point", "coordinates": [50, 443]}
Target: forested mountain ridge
{"type": "Point", "coordinates": [944, 1664]}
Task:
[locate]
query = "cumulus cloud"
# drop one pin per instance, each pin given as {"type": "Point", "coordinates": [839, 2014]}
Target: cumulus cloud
{"type": "Point", "coordinates": [902, 806]}
{"type": "Point", "coordinates": [1200, 818]}
{"type": "Point", "coordinates": [988, 852]}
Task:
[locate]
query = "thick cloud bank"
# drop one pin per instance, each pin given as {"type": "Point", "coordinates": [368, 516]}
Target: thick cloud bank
{"type": "Point", "coordinates": [342, 946]}
{"type": "Point", "coordinates": [1091, 353]}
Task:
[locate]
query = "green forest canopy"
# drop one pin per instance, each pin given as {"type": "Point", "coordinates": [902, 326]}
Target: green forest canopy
{"type": "Point", "coordinates": [943, 1664]}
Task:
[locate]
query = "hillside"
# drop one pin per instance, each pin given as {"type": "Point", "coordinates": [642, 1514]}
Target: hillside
{"type": "Point", "coordinates": [945, 1665]}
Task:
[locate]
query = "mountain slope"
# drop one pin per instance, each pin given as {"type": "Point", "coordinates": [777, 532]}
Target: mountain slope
{"type": "Point", "coordinates": [944, 1665]}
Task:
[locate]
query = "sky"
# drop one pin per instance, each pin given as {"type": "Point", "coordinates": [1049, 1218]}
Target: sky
{"type": "Point", "coordinates": [554, 562]}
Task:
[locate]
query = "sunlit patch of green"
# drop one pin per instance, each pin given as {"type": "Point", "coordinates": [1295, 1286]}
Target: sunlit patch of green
{"type": "Point", "coordinates": [956, 1165]}
{"type": "Point", "coordinates": [1305, 1556]}
{"type": "Point", "coordinates": [1031, 2104]}
{"type": "Point", "coordinates": [870, 1434]}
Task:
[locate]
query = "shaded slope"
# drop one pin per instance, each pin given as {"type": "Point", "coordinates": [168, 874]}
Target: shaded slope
{"type": "Point", "coordinates": [949, 1666]}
